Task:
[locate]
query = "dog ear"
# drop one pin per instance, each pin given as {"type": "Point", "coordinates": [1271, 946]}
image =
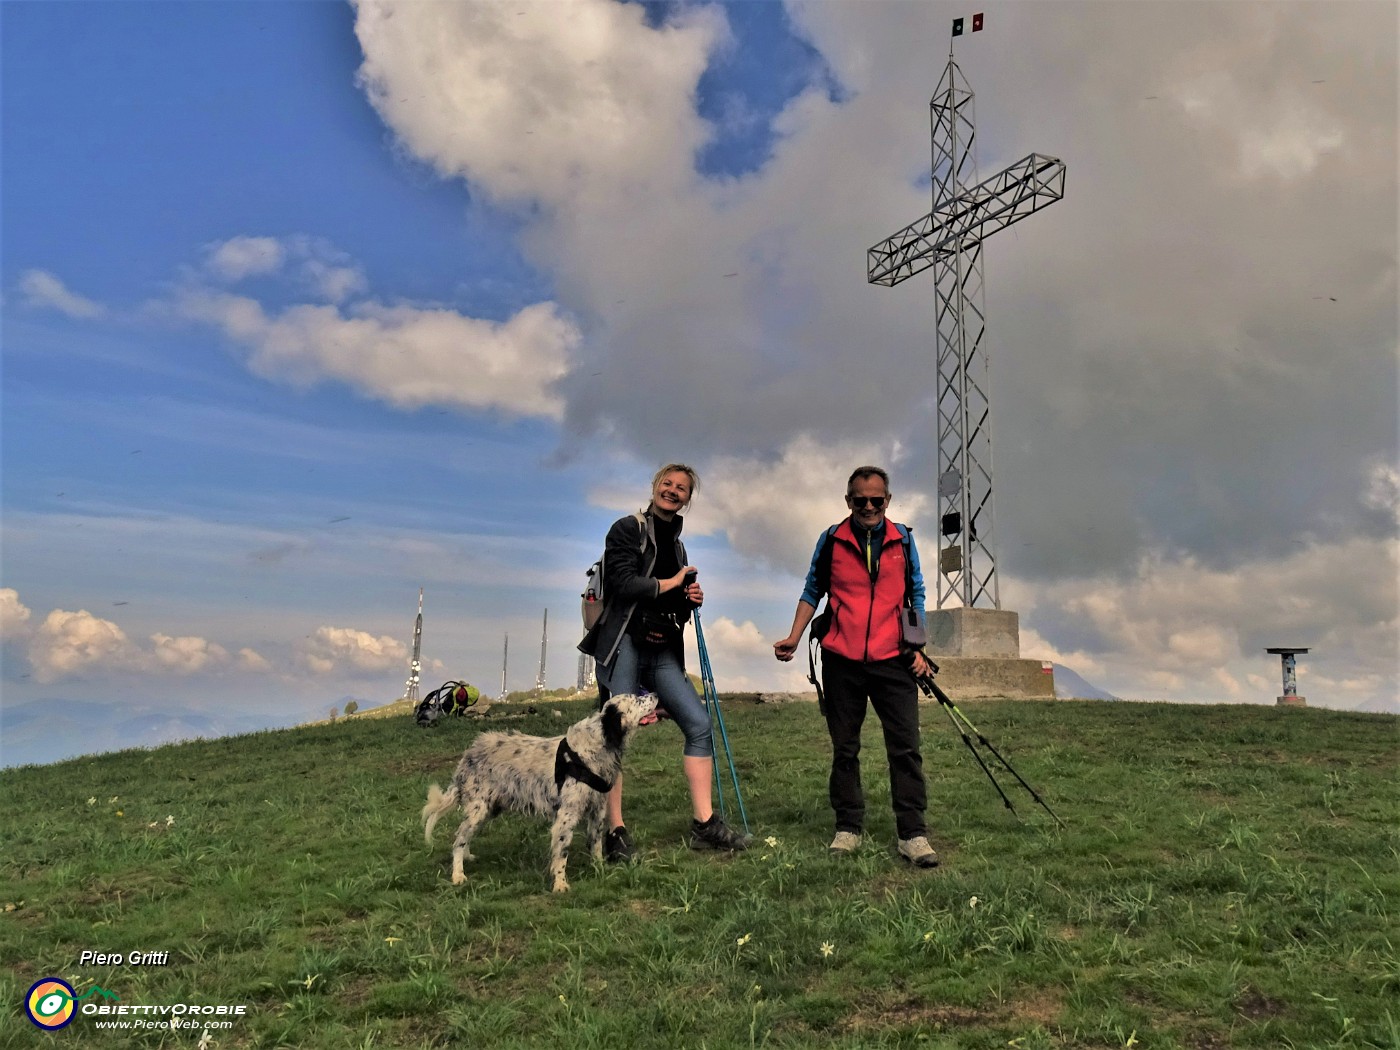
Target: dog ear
{"type": "Point", "coordinates": [614, 735]}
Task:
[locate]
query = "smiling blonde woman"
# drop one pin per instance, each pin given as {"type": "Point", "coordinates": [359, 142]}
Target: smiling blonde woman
{"type": "Point", "coordinates": [638, 643]}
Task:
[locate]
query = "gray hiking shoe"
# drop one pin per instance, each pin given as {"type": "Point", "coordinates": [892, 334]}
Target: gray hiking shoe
{"type": "Point", "coordinates": [716, 834]}
{"type": "Point", "coordinates": [844, 844]}
{"type": "Point", "coordinates": [918, 852]}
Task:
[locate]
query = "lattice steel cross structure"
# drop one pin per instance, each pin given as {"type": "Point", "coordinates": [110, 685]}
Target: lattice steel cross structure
{"type": "Point", "coordinates": [949, 240]}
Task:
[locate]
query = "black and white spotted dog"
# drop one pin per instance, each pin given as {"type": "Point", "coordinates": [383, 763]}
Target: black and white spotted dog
{"type": "Point", "coordinates": [565, 777]}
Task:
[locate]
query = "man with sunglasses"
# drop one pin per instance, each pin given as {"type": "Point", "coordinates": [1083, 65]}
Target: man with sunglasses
{"type": "Point", "coordinates": [868, 566]}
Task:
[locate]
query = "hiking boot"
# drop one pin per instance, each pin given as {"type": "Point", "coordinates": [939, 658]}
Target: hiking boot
{"type": "Point", "coordinates": [617, 846]}
{"type": "Point", "coordinates": [716, 834]}
{"type": "Point", "coordinates": [918, 852]}
{"type": "Point", "coordinates": [844, 844]}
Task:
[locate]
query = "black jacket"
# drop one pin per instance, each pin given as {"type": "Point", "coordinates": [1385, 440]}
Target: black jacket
{"type": "Point", "coordinates": [629, 556]}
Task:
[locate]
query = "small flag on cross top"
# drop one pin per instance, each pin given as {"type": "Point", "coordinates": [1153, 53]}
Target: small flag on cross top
{"type": "Point", "coordinates": [976, 24]}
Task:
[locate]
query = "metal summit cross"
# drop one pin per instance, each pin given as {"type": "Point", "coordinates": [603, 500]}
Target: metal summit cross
{"type": "Point", "coordinates": [949, 239]}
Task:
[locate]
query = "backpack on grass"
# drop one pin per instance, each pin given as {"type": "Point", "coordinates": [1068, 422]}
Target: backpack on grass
{"type": "Point", "coordinates": [450, 698]}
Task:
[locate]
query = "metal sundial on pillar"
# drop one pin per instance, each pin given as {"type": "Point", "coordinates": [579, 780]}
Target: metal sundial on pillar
{"type": "Point", "coordinates": [949, 240]}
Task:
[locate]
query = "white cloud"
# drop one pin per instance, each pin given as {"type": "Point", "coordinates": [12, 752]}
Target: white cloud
{"type": "Point", "coordinates": [1164, 304]}
{"type": "Point", "coordinates": [772, 510]}
{"type": "Point", "coordinates": [315, 264]}
{"type": "Point", "coordinates": [742, 658]}
{"type": "Point", "coordinates": [1034, 647]}
{"type": "Point", "coordinates": [1383, 490]}
{"type": "Point", "coordinates": [240, 257]}
{"type": "Point", "coordinates": [1194, 631]}
{"type": "Point", "coordinates": [69, 643]}
{"type": "Point", "coordinates": [581, 102]}
{"type": "Point", "coordinates": [251, 660]}
{"type": "Point", "coordinates": [186, 655]}
{"type": "Point", "coordinates": [42, 289]}
{"type": "Point", "coordinates": [331, 649]}
{"type": "Point", "coordinates": [14, 615]}
{"type": "Point", "coordinates": [408, 355]}
{"type": "Point", "coordinates": [334, 283]}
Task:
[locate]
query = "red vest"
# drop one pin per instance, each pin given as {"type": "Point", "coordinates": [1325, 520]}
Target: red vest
{"type": "Point", "coordinates": [865, 612]}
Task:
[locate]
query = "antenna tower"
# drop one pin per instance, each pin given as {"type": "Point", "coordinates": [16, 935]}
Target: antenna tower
{"type": "Point", "coordinates": [949, 239]}
{"type": "Point", "coordinates": [544, 642]}
{"type": "Point", "coordinates": [410, 689]}
{"type": "Point", "coordinates": [505, 658]}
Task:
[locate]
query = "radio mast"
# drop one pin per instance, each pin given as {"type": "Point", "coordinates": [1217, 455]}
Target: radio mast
{"type": "Point", "coordinates": [505, 657]}
{"type": "Point", "coordinates": [544, 642]}
{"type": "Point", "coordinates": [410, 689]}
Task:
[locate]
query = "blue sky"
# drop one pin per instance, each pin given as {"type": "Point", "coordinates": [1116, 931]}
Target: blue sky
{"type": "Point", "coordinates": [309, 305]}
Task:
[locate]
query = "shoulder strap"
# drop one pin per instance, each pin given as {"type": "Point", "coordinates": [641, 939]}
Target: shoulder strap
{"type": "Point", "coordinates": [600, 567]}
{"type": "Point", "coordinates": [905, 537]}
{"type": "Point", "coordinates": [824, 560]}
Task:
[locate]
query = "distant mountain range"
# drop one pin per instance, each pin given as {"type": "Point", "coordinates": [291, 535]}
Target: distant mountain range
{"type": "Point", "coordinates": [1069, 685]}
{"type": "Point", "coordinates": [55, 729]}
{"type": "Point", "coordinates": [1381, 706]}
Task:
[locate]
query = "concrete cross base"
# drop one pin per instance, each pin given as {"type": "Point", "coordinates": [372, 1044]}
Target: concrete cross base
{"type": "Point", "coordinates": [974, 632]}
{"type": "Point", "coordinates": [1283, 701]}
{"type": "Point", "coordinates": [976, 677]}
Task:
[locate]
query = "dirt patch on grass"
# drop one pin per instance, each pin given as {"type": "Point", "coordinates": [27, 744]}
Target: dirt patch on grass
{"type": "Point", "coordinates": [1206, 1041]}
{"type": "Point", "coordinates": [911, 1013]}
{"type": "Point", "coordinates": [440, 765]}
{"type": "Point", "coordinates": [1042, 1008]}
{"type": "Point", "coordinates": [644, 909]}
{"type": "Point", "coordinates": [1254, 1005]}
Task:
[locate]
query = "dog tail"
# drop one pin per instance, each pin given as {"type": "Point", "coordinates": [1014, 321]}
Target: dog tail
{"type": "Point", "coordinates": [439, 803]}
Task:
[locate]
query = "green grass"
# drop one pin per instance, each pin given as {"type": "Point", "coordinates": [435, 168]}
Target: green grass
{"type": "Point", "coordinates": [1226, 879]}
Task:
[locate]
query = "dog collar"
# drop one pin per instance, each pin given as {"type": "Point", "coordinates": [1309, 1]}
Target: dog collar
{"type": "Point", "coordinates": [567, 765]}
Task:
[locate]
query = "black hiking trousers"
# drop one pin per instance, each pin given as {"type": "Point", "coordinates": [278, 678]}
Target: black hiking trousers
{"type": "Point", "coordinates": [889, 687]}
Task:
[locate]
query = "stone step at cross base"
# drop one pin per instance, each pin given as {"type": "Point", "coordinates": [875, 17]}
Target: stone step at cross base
{"type": "Point", "coordinates": [978, 652]}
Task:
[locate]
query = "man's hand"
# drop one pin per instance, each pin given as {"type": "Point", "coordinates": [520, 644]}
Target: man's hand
{"type": "Point", "coordinates": [785, 649]}
{"type": "Point", "coordinates": [921, 666]}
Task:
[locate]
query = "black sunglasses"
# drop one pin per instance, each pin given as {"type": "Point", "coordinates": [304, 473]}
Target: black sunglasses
{"type": "Point", "coordinates": [860, 502]}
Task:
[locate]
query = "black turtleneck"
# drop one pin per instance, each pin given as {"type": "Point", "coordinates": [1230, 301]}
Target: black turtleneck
{"type": "Point", "coordinates": [666, 563]}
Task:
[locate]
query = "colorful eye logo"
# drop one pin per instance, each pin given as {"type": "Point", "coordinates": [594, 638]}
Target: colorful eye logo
{"type": "Point", "coordinates": [49, 1003]}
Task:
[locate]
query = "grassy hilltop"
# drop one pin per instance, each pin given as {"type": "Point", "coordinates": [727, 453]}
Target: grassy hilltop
{"type": "Point", "coordinates": [1227, 879]}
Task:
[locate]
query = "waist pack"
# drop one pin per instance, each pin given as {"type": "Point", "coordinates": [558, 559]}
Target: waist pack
{"type": "Point", "coordinates": [657, 629]}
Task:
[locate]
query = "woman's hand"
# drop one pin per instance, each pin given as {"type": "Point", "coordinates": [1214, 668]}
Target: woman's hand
{"type": "Point", "coordinates": [691, 589]}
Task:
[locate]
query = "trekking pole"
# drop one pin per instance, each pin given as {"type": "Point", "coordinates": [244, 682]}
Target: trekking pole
{"type": "Point", "coordinates": [931, 688]}
{"type": "Point", "coordinates": [927, 685]}
{"type": "Point", "coordinates": [707, 681]}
